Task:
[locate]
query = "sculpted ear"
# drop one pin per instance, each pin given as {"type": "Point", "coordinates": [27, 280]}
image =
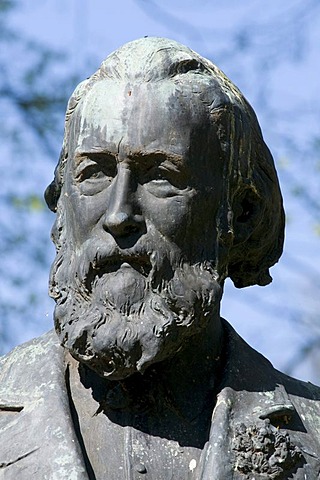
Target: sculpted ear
{"type": "Point", "coordinates": [247, 216]}
{"type": "Point", "coordinates": [253, 249]}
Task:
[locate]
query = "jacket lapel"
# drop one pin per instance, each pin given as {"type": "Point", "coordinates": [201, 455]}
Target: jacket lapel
{"type": "Point", "coordinates": [36, 430]}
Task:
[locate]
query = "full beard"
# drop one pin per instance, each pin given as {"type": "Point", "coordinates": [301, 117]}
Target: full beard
{"type": "Point", "coordinates": [122, 317]}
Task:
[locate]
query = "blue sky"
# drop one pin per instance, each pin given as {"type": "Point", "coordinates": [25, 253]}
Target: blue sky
{"type": "Point", "coordinates": [277, 69]}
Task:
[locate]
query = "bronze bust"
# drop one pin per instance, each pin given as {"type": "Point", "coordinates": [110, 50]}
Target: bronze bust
{"type": "Point", "coordinates": [164, 188]}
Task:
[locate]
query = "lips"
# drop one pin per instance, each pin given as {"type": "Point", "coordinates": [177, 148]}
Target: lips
{"type": "Point", "coordinates": [140, 263]}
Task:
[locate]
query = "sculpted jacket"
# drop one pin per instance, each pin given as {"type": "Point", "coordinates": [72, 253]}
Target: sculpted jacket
{"type": "Point", "coordinates": [265, 425]}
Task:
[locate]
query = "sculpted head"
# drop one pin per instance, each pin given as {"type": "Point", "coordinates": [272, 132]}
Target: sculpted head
{"type": "Point", "coordinates": [164, 188]}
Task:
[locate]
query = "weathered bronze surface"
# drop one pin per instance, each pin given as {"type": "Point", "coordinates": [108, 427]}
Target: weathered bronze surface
{"type": "Point", "coordinates": [164, 188]}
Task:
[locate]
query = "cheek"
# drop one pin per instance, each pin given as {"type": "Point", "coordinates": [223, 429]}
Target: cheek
{"type": "Point", "coordinates": [86, 213]}
{"type": "Point", "coordinates": [204, 221]}
{"type": "Point", "coordinates": [170, 215]}
{"type": "Point", "coordinates": [190, 222]}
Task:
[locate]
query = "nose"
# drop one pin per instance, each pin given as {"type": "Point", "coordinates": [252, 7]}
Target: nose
{"type": "Point", "coordinates": [122, 218]}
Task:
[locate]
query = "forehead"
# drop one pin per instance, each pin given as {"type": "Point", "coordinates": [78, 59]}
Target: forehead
{"type": "Point", "coordinates": [152, 115]}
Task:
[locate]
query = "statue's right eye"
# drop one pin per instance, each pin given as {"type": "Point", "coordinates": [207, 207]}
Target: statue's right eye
{"type": "Point", "coordinates": [94, 174]}
{"type": "Point", "coordinates": [91, 172]}
{"type": "Point", "coordinates": [96, 167]}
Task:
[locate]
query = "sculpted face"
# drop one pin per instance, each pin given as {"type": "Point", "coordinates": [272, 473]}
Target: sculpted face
{"type": "Point", "coordinates": [140, 163]}
{"type": "Point", "coordinates": [141, 193]}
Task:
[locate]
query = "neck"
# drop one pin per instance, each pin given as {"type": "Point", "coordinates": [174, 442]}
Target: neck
{"type": "Point", "coordinates": [182, 383]}
{"type": "Point", "coordinates": [194, 373]}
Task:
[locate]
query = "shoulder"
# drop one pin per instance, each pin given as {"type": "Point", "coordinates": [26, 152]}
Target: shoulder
{"type": "Point", "coordinates": [305, 398]}
{"type": "Point", "coordinates": [30, 352]}
{"type": "Point", "coordinates": [28, 364]}
{"type": "Point", "coordinates": [258, 372]}
{"type": "Point", "coordinates": [248, 370]}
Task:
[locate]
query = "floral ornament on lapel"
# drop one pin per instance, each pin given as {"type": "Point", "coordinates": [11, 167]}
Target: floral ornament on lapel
{"type": "Point", "coordinates": [265, 450]}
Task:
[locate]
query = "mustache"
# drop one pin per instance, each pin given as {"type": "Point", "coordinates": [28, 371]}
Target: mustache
{"type": "Point", "coordinates": [96, 258]}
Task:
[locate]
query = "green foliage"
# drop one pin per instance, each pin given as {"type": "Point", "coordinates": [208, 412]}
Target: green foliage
{"type": "Point", "coordinates": [30, 202]}
{"type": "Point", "coordinates": [6, 5]}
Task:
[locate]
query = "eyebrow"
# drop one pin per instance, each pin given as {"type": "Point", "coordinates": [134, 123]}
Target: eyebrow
{"type": "Point", "coordinates": [158, 154]}
{"type": "Point", "coordinates": [81, 155]}
{"type": "Point", "coordinates": [148, 157]}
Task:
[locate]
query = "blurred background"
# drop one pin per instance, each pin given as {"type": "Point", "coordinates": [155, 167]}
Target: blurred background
{"type": "Point", "coordinates": [270, 50]}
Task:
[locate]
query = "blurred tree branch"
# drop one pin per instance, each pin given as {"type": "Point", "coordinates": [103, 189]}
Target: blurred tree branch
{"type": "Point", "coordinates": [33, 95]}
